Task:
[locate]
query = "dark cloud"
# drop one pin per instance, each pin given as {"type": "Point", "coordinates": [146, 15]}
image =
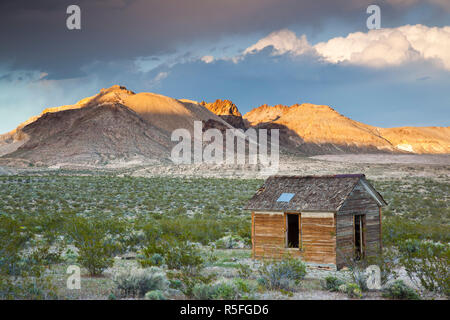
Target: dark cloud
{"type": "Point", "coordinates": [33, 34]}
{"type": "Point", "coordinates": [385, 97]}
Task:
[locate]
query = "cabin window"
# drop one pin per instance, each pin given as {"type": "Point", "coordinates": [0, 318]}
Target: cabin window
{"type": "Point", "coordinates": [293, 230]}
{"type": "Point", "coordinates": [359, 236]}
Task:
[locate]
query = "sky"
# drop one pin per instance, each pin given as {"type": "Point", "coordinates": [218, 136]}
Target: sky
{"type": "Point", "coordinates": [252, 52]}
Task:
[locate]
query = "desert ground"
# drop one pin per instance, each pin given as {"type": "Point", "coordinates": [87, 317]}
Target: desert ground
{"type": "Point", "coordinates": [185, 226]}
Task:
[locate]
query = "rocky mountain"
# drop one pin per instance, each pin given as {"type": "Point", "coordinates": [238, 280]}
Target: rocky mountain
{"type": "Point", "coordinates": [318, 129]}
{"type": "Point", "coordinates": [92, 134]}
{"type": "Point", "coordinates": [114, 124]}
{"type": "Point", "coordinates": [419, 139]}
{"type": "Point", "coordinates": [118, 124]}
{"type": "Point", "coordinates": [226, 110]}
{"type": "Point", "coordinates": [264, 113]}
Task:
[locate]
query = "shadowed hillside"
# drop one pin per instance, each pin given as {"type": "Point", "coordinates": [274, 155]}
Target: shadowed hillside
{"type": "Point", "coordinates": [318, 129]}
{"type": "Point", "coordinates": [120, 124]}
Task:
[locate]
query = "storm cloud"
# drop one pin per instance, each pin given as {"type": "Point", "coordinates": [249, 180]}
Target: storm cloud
{"type": "Point", "coordinates": [250, 51]}
{"type": "Point", "coordinates": [33, 34]}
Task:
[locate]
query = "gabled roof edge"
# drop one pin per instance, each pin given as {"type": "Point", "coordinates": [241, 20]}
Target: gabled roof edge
{"type": "Point", "coordinates": [374, 193]}
{"type": "Point", "coordinates": [351, 190]}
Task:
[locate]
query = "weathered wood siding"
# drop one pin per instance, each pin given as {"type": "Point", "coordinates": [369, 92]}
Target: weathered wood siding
{"type": "Point", "coordinates": [358, 202]}
{"type": "Point", "coordinates": [317, 237]}
{"type": "Point", "coordinates": [269, 235]}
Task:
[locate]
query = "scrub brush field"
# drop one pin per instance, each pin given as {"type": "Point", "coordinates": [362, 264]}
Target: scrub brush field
{"type": "Point", "coordinates": [179, 238]}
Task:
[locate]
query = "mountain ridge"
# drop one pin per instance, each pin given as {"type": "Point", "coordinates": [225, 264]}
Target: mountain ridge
{"type": "Point", "coordinates": [226, 110]}
{"type": "Point", "coordinates": [320, 124]}
{"type": "Point", "coordinates": [119, 123]}
{"type": "Point", "coordinates": [123, 124]}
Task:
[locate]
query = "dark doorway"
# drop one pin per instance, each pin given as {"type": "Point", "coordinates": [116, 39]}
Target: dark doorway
{"type": "Point", "coordinates": [359, 236]}
{"type": "Point", "coordinates": [292, 230]}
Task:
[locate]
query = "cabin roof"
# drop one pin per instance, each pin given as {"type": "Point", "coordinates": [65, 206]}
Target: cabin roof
{"type": "Point", "coordinates": [311, 193]}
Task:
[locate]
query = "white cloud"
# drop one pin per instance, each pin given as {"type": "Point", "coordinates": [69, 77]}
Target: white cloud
{"type": "Point", "coordinates": [283, 41]}
{"type": "Point", "coordinates": [387, 47]}
{"type": "Point", "coordinates": [376, 48]}
{"type": "Point", "coordinates": [161, 75]}
{"type": "Point", "coordinates": [207, 59]}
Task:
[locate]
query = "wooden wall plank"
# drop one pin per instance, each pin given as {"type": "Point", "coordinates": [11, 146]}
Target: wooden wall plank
{"type": "Point", "coordinates": [358, 202]}
{"type": "Point", "coordinates": [317, 238]}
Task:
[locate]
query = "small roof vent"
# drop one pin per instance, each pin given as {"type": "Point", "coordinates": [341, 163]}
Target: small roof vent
{"type": "Point", "coordinates": [285, 197]}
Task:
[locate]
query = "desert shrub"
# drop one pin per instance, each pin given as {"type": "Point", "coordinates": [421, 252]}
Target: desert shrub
{"type": "Point", "coordinates": [359, 274]}
{"type": "Point", "coordinates": [70, 256]}
{"type": "Point", "coordinates": [357, 270]}
{"type": "Point", "coordinates": [352, 290]}
{"type": "Point", "coordinates": [14, 239]}
{"type": "Point", "coordinates": [137, 282]}
{"type": "Point", "coordinates": [243, 230]}
{"type": "Point", "coordinates": [397, 229]}
{"type": "Point", "coordinates": [333, 283]}
{"type": "Point", "coordinates": [190, 278]}
{"type": "Point", "coordinates": [155, 295]}
{"type": "Point", "coordinates": [204, 291]}
{"type": "Point", "coordinates": [27, 287]}
{"type": "Point", "coordinates": [245, 288]}
{"type": "Point", "coordinates": [417, 200]}
{"type": "Point", "coordinates": [285, 274]}
{"type": "Point", "coordinates": [95, 253]}
{"type": "Point", "coordinates": [175, 284]}
{"type": "Point", "coordinates": [230, 242]}
{"type": "Point", "coordinates": [177, 254]}
{"type": "Point", "coordinates": [427, 264]}
{"type": "Point", "coordinates": [399, 290]}
{"type": "Point", "coordinates": [95, 258]}
{"type": "Point", "coordinates": [95, 247]}
{"type": "Point", "coordinates": [244, 271]}
{"type": "Point", "coordinates": [226, 291]}
{"type": "Point", "coordinates": [222, 290]}
{"type": "Point", "coordinates": [209, 255]}
{"type": "Point", "coordinates": [210, 229]}
{"type": "Point", "coordinates": [201, 229]}
{"type": "Point", "coordinates": [387, 261]}
{"type": "Point", "coordinates": [156, 259]}
{"type": "Point", "coordinates": [204, 230]}
{"type": "Point", "coordinates": [185, 255]}
{"type": "Point", "coordinates": [23, 261]}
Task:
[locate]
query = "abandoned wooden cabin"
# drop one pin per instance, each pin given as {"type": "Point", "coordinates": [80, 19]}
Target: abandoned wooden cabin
{"type": "Point", "coordinates": [323, 219]}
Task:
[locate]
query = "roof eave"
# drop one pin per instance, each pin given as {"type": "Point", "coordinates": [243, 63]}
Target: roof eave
{"type": "Point", "coordinates": [293, 211]}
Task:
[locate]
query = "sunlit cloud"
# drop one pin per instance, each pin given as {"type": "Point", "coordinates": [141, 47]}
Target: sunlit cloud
{"type": "Point", "coordinates": [375, 48]}
{"type": "Point", "coordinates": [207, 59]}
{"type": "Point", "coordinates": [283, 41]}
